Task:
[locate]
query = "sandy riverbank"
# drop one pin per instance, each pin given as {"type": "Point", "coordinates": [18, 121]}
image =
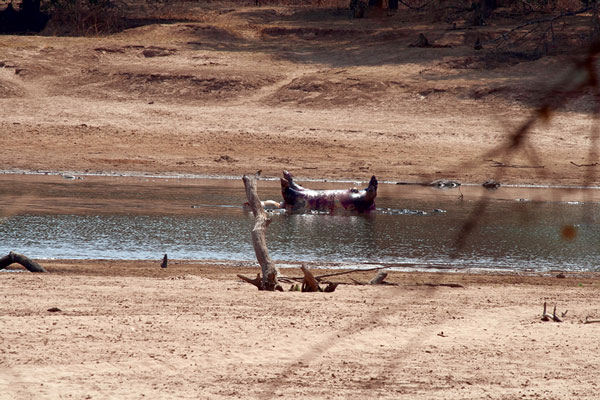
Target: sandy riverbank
{"type": "Point", "coordinates": [130, 329]}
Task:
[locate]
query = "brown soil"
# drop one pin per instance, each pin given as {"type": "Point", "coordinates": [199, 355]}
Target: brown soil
{"type": "Point", "coordinates": [237, 89]}
{"type": "Point", "coordinates": [133, 329]}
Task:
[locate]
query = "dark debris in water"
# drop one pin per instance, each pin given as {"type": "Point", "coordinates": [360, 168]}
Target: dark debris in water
{"type": "Point", "coordinates": [406, 211]}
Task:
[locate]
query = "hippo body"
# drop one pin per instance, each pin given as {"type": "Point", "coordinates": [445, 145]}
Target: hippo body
{"type": "Point", "coordinates": [350, 201]}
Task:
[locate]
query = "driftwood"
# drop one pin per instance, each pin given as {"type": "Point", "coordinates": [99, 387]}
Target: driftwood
{"type": "Point", "coordinates": [26, 262]}
{"type": "Point", "coordinates": [261, 222]}
{"type": "Point", "coordinates": [379, 278]}
{"type": "Point", "coordinates": [319, 277]}
{"type": "Point", "coordinates": [256, 281]}
{"type": "Point", "coordinates": [588, 320]}
{"type": "Point", "coordinates": [550, 317]}
{"type": "Point", "coordinates": [310, 283]}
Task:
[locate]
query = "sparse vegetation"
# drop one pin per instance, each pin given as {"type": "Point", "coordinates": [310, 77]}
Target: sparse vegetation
{"type": "Point", "coordinates": [85, 17]}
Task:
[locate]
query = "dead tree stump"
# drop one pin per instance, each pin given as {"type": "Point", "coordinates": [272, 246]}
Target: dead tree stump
{"type": "Point", "coordinates": [26, 262]}
{"type": "Point", "coordinates": [261, 222]}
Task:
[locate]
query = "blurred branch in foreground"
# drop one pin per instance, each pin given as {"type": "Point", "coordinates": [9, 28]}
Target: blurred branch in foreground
{"type": "Point", "coordinates": [582, 79]}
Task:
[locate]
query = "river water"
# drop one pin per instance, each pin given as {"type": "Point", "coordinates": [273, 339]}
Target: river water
{"type": "Point", "coordinates": [414, 227]}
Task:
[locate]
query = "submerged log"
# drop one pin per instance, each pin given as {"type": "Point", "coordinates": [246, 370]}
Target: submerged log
{"type": "Point", "coordinates": [26, 262]}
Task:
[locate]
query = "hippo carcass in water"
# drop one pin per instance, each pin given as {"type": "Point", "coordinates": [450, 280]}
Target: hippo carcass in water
{"type": "Point", "coordinates": [350, 201]}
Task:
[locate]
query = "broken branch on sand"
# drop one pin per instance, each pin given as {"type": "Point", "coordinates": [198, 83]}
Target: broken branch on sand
{"type": "Point", "coordinates": [451, 285]}
{"type": "Point", "coordinates": [378, 279]}
{"type": "Point", "coordinates": [319, 277]}
{"type": "Point", "coordinates": [310, 283]}
{"type": "Point", "coordinates": [26, 262]}
{"type": "Point", "coordinates": [550, 317]}
{"type": "Point", "coordinates": [585, 165]}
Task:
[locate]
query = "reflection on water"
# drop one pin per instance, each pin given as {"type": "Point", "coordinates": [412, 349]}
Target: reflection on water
{"type": "Point", "coordinates": [514, 235]}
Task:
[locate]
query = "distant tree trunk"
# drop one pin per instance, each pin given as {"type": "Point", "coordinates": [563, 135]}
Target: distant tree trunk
{"type": "Point", "coordinates": [482, 10]}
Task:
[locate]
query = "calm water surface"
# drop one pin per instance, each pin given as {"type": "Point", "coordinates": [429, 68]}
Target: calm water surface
{"type": "Point", "coordinates": [516, 235]}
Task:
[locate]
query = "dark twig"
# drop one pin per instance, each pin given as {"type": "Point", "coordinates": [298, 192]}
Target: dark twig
{"type": "Point", "coordinates": [585, 165]}
{"type": "Point", "coordinates": [498, 164]}
{"type": "Point", "coordinates": [451, 285]}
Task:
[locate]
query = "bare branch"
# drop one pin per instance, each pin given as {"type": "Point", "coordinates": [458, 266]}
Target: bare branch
{"type": "Point", "coordinates": [505, 35]}
{"type": "Point", "coordinates": [319, 277]}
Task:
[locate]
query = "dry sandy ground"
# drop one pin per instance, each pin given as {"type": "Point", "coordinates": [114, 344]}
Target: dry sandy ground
{"type": "Point", "coordinates": [235, 89]}
{"type": "Point", "coordinates": [134, 330]}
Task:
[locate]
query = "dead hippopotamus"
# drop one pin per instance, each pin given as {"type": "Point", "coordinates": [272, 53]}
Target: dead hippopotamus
{"type": "Point", "coordinates": [351, 201]}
